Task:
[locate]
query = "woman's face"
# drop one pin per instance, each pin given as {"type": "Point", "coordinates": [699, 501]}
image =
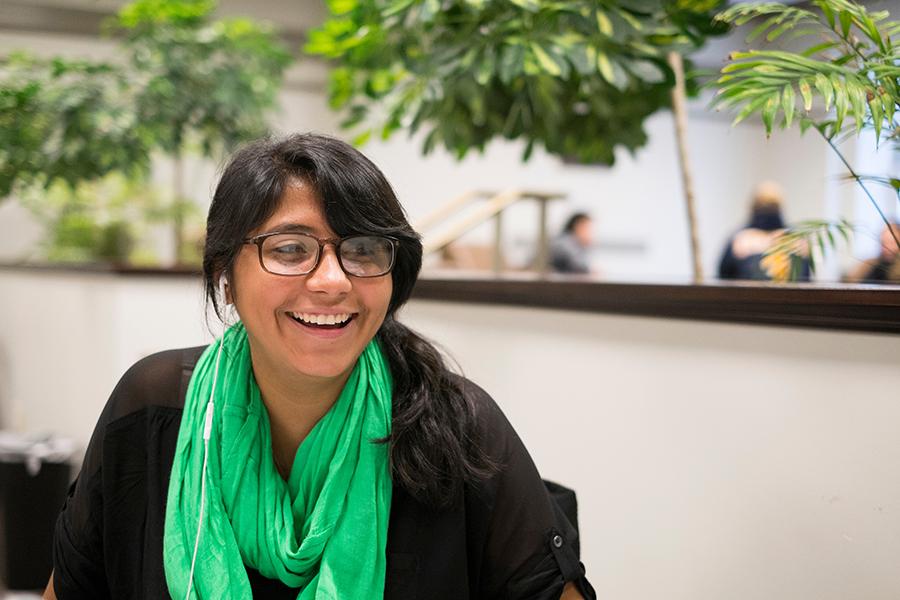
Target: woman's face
{"type": "Point", "coordinates": [273, 308]}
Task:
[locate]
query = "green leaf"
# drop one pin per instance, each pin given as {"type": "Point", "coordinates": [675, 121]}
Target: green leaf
{"type": "Point", "coordinates": [511, 63]}
{"type": "Point", "coordinates": [877, 116]}
{"type": "Point", "coordinates": [787, 104]}
{"type": "Point", "coordinates": [770, 109]}
{"type": "Point", "coordinates": [760, 29]}
{"type": "Point", "coordinates": [857, 97]}
{"type": "Point", "coordinates": [829, 15]}
{"type": "Point", "coordinates": [777, 32]}
{"type": "Point", "coordinates": [604, 24]}
{"type": "Point", "coordinates": [823, 84]}
{"type": "Point", "coordinates": [751, 107]}
{"type": "Point", "coordinates": [529, 5]}
{"type": "Point", "coordinates": [545, 60]}
{"type": "Point", "coordinates": [430, 142]}
{"type": "Point", "coordinates": [396, 7]}
{"type": "Point", "coordinates": [629, 18]}
{"type": "Point", "coordinates": [841, 101]}
{"type": "Point", "coordinates": [804, 125]}
{"type": "Point", "coordinates": [605, 67]}
{"type": "Point", "coordinates": [806, 93]}
{"type": "Point", "coordinates": [846, 21]}
{"type": "Point", "coordinates": [529, 149]}
{"type": "Point", "coordinates": [813, 50]}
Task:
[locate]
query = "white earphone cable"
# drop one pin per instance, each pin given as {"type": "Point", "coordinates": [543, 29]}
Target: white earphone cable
{"type": "Point", "coordinates": [207, 433]}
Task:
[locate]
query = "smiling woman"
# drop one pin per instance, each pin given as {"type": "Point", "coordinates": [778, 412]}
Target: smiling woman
{"type": "Point", "coordinates": [319, 449]}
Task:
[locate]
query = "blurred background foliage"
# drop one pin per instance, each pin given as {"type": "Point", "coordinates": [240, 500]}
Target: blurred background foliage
{"type": "Point", "coordinates": [98, 220]}
{"type": "Point", "coordinates": [183, 82]}
{"type": "Point", "coordinates": [574, 77]}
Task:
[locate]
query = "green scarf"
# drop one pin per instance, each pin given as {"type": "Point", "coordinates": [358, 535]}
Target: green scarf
{"type": "Point", "coordinates": [324, 531]}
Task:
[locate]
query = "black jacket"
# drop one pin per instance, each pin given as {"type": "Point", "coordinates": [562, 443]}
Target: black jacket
{"type": "Point", "coordinates": [505, 538]}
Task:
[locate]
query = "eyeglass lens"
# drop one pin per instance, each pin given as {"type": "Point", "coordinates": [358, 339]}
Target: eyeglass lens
{"type": "Point", "coordinates": [297, 254]}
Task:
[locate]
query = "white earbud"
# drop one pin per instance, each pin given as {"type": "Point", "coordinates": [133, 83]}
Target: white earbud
{"type": "Point", "coordinates": [223, 281]}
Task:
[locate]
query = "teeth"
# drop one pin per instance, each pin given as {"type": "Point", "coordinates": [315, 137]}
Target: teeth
{"type": "Point", "coordinates": [314, 319]}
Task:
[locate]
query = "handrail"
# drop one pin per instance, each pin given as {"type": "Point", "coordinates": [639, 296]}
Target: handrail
{"type": "Point", "coordinates": [445, 210]}
{"type": "Point", "coordinates": [493, 208]}
{"type": "Point", "coordinates": [484, 212]}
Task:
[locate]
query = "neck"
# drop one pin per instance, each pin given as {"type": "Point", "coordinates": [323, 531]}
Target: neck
{"type": "Point", "coordinates": [295, 404]}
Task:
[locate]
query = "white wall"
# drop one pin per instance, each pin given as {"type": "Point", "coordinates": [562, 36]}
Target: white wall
{"type": "Point", "coordinates": [68, 337]}
{"type": "Point", "coordinates": [711, 460]}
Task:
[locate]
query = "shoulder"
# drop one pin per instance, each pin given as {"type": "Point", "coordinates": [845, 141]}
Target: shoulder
{"type": "Point", "coordinates": [490, 430]}
{"type": "Point", "coordinates": [155, 380]}
{"type": "Point", "coordinates": [488, 416]}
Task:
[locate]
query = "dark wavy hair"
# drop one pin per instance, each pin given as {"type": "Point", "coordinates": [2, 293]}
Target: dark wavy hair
{"type": "Point", "coordinates": [432, 447]}
{"type": "Point", "coordinates": [574, 220]}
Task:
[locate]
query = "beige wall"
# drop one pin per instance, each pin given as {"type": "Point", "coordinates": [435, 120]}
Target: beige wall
{"type": "Point", "coordinates": [711, 460]}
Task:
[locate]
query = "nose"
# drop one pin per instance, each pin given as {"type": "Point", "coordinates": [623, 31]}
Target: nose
{"type": "Point", "coordinates": [328, 276]}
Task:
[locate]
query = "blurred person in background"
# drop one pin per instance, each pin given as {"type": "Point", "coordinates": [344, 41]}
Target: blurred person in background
{"type": "Point", "coordinates": [570, 251]}
{"type": "Point", "coordinates": [319, 449]}
{"type": "Point", "coordinates": [743, 254]}
{"type": "Point", "coordinates": [884, 268]}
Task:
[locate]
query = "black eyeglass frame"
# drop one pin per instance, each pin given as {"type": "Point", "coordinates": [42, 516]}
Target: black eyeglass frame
{"type": "Point", "coordinates": [258, 241]}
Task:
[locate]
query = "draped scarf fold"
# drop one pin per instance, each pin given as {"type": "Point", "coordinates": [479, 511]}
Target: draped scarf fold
{"type": "Point", "coordinates": [324, 531]}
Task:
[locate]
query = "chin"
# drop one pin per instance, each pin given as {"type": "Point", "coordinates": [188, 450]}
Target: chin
{"type": "Point", "coordinates": [324, 369]}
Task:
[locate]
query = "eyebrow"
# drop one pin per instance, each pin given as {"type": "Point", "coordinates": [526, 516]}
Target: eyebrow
{"type": "Point", "coordinates": [289, 226]}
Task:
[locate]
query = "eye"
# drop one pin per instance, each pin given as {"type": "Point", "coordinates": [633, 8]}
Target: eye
{"type": "Point", "coordinates": [360, 249]}
{"type": "Point", "coordinates": [290, 249]}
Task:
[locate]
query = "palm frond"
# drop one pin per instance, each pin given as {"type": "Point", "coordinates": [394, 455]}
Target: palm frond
{"type": "Point", "coordinates": [805, 242]}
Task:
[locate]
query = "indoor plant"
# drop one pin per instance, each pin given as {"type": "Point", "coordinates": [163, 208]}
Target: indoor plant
{"type": "Point", "coordinates": [844, 78]}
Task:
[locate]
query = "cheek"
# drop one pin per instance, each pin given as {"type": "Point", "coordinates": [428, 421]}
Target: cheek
{"type": "Point", "coordinates": [253, 291]}
{"type": "Point", "coordinates": [378, 299]}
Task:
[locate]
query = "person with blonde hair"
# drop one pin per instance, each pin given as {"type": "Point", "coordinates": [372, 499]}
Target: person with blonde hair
{"type": "Point", "coordinates": [743, 254]}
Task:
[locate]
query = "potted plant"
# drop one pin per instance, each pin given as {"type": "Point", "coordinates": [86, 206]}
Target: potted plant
{"type": "Point", "coordinates": [579, 79]}
{"type": "Point", "coordinates": [184, 83]}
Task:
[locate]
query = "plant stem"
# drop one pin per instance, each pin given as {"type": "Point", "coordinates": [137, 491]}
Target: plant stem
{"type": "Point", "coordinates": [859, 180]}
{"type": "Point", "coordinates": [680, 113]}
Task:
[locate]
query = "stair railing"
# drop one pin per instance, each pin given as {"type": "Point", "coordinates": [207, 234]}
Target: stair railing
{"type": "Point", "coordinates": [492, 209]}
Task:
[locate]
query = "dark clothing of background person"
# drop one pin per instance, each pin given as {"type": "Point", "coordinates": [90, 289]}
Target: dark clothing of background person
{"type": "Point", "coordinates": [504, 538]}
{"type": "Point", "coordinates": [884, 268]}
{"type": "Point", "coordinates": [883, 271]}
{"type": "Point", "coordinates": [743, 252]}
{"type": "Point", "coordinates": [568, 255]}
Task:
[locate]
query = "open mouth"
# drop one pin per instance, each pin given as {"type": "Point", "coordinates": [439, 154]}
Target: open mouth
{"type": "Point", "coordinates": [314, 321]}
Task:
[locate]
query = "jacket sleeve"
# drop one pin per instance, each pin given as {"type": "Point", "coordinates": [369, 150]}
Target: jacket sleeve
{"type": "Point", "coordinates": [78, 565]}
{"type": "Point", "coordinates": [530, 548]}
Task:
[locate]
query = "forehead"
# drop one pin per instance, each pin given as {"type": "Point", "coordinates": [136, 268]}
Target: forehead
{"type": "Point", "coordinates": [298, 207]}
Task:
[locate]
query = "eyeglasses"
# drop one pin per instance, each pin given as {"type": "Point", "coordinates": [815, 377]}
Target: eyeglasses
{"type": "Point", "coordinates": [295, 253]}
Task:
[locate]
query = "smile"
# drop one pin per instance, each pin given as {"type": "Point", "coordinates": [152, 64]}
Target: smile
{"type": "Point", "coordinates": [337, 321]}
